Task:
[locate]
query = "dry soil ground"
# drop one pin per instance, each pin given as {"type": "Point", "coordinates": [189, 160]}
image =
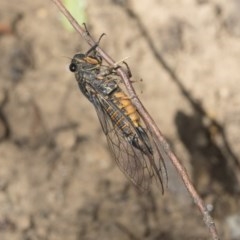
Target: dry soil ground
{"type": "Point", "coordinates": [57, 178]}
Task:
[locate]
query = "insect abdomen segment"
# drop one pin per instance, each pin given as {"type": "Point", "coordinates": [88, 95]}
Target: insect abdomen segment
{"type": "Point", "coordinates": [125, 108]}
{"type": "Point", "coordinates": [124, 103]}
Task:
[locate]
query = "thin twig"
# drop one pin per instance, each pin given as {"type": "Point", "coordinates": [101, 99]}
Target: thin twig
{"type": "Point", "coordinates": [149, 122]}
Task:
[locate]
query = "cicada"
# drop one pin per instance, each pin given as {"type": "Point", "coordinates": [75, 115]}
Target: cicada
{"type": "Point", "coordinates": [134, 149]}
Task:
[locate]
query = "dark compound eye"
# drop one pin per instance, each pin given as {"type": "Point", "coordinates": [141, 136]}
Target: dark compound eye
{"type": "Point", "coordinates": [73, 67]}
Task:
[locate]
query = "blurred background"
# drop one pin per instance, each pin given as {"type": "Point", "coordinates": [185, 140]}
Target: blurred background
{"type": "Point", "coordinates": [57, 177]}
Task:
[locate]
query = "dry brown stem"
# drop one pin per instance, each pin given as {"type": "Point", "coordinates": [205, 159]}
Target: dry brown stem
{"type": "Point", "coordinates": [149, 122]}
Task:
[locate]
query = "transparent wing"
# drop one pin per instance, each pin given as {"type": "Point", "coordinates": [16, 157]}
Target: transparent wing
{"type": "Point", "coordinates": [141, 168]}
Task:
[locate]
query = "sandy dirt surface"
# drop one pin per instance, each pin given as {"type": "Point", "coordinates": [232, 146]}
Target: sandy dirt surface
{"type": "Point", "coordinates": [57, 177]}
